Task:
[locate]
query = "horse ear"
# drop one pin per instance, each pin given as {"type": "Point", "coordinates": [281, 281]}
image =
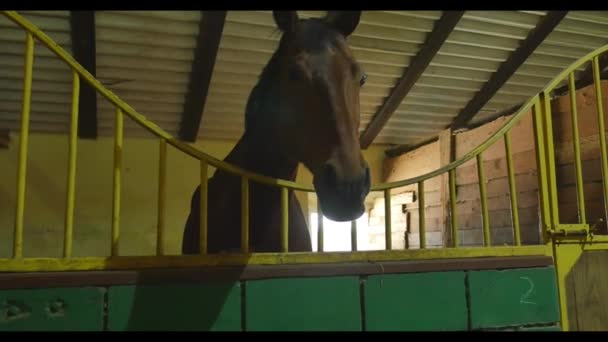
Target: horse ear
{"type": "Point", "coordinates": [344, 21]}
{"type": "Point", "coordinates": [286, 20]}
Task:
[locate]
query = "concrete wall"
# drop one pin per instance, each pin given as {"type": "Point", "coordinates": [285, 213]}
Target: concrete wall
{"type": "Point", "coordinates": [46, 193]}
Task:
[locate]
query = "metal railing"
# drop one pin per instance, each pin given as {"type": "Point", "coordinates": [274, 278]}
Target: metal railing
{"type": "Point", "coordinates": [538, 104]}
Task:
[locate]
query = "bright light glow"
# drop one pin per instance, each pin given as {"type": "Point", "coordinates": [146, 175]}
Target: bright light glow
{"type": "Point", "coordinates": [336, 235]}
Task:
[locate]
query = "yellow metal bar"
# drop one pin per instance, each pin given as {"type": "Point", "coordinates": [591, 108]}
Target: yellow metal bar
{"type": "Point", "coordinates": [545, 210]}
{"type": "Point", "coordinates": [577, 151]}
{"type": "Point", "coordinates": [184, 261]}
{"type": "Point", "coordinates": [353, 235]}
{"type": "Point", "coordinates": [204, 208]}
{"type": "Point", "coordinates": [244, 215]}
{"type": "Point", "coordinates": [195, 153]}
{"type": "Point", "coordinates": [118, 139]}
{"type": "Point", "coordinates": [198, 154]}
{"type": "Point", "coordinates": [421, 215]}
{"type": "Point", "coordinates": [452, 180]}
{"type": "Point", "coordinates": [387, 220]}
{"type": "Point", "coordinates": [550, 158]}
{"type": "Point", "coordinates": [162, 176]}
{"type": "Point", "coordinates": [72, 146]}
{"type": "Point", "coordinates": [23, 142]}
{"type": "Point", "coordinates": [602, 130]}
{"type": "Point", "coordinates": [284, 220]}
{"type": "Point", "coordinates": [565, 256]}
{"type": "Point", "coordinates": [512, 190]}
{"type": "Point", "coordinates": [319, 227]}
{"type": "Point", "coordinates": [484, 202]}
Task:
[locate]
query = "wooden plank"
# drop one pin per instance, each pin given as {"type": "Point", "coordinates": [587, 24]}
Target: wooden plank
{"type": "Point", "coordinates": [396, 151]}
{"type": "Point", "coordinates": [442, 29]}
{"type": "Point", "coordinates": [416, 302]}
{"type": "Point", "coordinates": [196, 275]}
{"type": "Point", "coordinates": [209, 36]}
{"type": "Point", "coordinates": [304, 304]}
{"type": "Point", "coordinates": [84, 51]}
{"type": "Point", "coordinates": [59, 309]}
{"type": "Point", "coordinates": [590, 291]}
{"type": "Point", "coordinates": [499, 218]}
{"type": "Point", "coordinates": [214, 306]}
{"type": "Point", "coordinates": [545, 26]}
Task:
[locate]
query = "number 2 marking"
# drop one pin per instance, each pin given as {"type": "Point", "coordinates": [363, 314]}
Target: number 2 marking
{"type": "Point", "coordinates": [524, 297]}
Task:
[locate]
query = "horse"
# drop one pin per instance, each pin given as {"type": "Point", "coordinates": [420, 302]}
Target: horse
{"type": "Point", "coordinates": [303, 109]}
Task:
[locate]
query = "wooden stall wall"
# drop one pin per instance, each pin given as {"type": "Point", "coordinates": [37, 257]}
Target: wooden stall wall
{"type": "Point", "coordinates": [468, 209]}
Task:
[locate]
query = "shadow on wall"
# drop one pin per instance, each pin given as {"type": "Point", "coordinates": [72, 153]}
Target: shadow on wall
{"type": "Point", "coordinates": [191, 302]}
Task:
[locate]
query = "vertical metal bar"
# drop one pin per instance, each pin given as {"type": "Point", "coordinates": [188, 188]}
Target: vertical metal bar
{"type": "Point", "coordinates": [484, 201]}
{"type": "Point", "coordinates": [353, 235]}
{"type": "Point", "coordinates": [72, 146]}
{"type": "Point", "coordinates": [421, 215]}
{"type": "Point", "coordinates": [204, 207]}
{"type": "Point", "coordinates": [602, 130]}
{"type": "Point", "coordinates": [284, 220]}
{"type": "Point", "coordinates": [244, 215]}
{"type": "Point", "coordinates": [387, 220]}
{"type": "Point", "coordinates": [162, 176]}
{"type": "Point", "coordinates": [118, 140]}
{"type": "Point", "coordinates": [577, 151]}
{"type": "Point", "coordinates": [23, 142]}
{"type": "Point", "coordinates": [452, 179]}
{"type": "Point", "coordinates": [550, 158]}
{"type": "Point", "coordinates": [319, 227]}
{"type": "Point", "coordinates": [537, 122]}
{"type": "Point", "coordinates": [512, 190]}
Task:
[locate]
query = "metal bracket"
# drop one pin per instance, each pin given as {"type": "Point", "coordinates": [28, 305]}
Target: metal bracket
{"type": "Point", "coordinates": [595, 226]}
{"type": "Point", "coordinates": [568, 232]}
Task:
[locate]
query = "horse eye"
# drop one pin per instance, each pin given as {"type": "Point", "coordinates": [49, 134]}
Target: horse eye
{"type": "Point", "coordinates": [363, 79]}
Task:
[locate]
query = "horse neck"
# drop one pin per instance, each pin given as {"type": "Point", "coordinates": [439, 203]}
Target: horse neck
{"type": "Point", "coordinates": [257, 153]}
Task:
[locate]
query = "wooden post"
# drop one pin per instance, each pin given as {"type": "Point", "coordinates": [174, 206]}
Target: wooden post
{"type": "Point", "coordinates": [446, 155]}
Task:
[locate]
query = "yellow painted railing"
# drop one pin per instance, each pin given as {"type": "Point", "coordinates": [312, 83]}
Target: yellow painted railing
{"type": "Point", "coordinates": [538, 104]}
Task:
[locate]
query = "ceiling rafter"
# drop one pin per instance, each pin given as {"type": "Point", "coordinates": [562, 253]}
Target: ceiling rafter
{"type": "Point", "coordinates": [82, 30]}
{"type": "Point", "coordinates": [441, 30]}
{"type": "Point", "coordinates": [209, 36]}
{"type": "Point", "coordinates": [537, 35]}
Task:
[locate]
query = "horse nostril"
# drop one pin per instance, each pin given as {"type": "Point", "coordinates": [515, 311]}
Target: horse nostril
{"type": "Point", "coordinates": [330, 176]}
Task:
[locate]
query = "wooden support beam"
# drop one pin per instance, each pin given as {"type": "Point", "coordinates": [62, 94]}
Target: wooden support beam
{"type": "Point", "coordinates": [586, 76]}
{"type": "Point", "coordinates": [209, 36]}
{"type": "Point", "coordinates": [545, 26]}
{"type": "Point", "coordinates": [83, 49]}
{"type": "Point", "coordinates": [442, 29]}
{"type": "Point", "coordinates": [447, 151]}
{"type": "Point", "coordinates": [5, 138]}
{"type": "Point", "coordinates": [398, 150]}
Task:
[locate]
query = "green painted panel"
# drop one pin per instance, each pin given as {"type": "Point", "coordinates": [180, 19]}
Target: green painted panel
{"type": "Point", "coordinates": [434, 301]}
{"type": "Point", "coordinates": [513, 297]}
{"type": "Point", "coordinates": [298, 304]}
{"type": "Point", "coordinates": [58, 309]}
{"type": "Point", "coordinates": [214, 306]}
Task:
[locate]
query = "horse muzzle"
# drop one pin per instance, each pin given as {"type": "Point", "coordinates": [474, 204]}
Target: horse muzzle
{"type": "Point", "coordinates": [342, 199]}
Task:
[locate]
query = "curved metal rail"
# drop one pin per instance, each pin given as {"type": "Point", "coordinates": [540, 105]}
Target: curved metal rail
{"type": "Point", "coordinates": [539, 104]}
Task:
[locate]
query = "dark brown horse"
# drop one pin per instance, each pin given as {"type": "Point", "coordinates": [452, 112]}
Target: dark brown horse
{"type": "Point", "coordinates": [304, 109]}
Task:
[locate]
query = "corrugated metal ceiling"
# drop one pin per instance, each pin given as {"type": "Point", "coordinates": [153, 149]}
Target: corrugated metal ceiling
{"type": "Point", "coordinates": [146, 58]}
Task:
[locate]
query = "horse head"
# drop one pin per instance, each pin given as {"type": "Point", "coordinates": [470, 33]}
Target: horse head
{"type": "Point", "coordinates": [319, 84]}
